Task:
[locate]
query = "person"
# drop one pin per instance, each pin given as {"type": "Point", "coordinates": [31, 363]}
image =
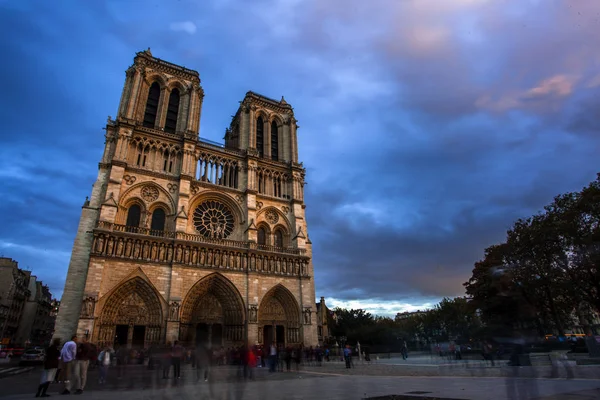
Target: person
{"type": "Point", "coordinates": [272, 357]}
{"type": "Point", "coordinates": [104, 359]}
{"type": "Point", "coordinates": [82, 363]}
{"type": "Point", "coordinates": [348, 356]}
{"type": "Point", "coordinates": [176, 355]}
{"type": "Point", "coordinates": [67, 355]}
{"type": "Point", "coordinates": [203, 361]}
{"type": "Point", "coordinates": [50, 368]}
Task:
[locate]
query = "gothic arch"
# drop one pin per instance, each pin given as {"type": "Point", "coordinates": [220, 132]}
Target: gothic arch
{"type": "Point", "coordinates": [156, 77]}
{"type": "Point", "coordinates": [278, 307]}
{"type": "Point", "coordinates": [176, 84]}
{"type": "Point", "coordinates": [214, 299]}
{"type": "Point", "coordinates": [282, 220]}
{"type": "Point", "coordinates": [129, 193]}
{"type": "Point", "coordinates": [134, 302]}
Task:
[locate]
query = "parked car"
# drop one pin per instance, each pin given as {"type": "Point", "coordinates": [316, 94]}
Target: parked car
{"type": "Point", "coordinates": [33, 356]}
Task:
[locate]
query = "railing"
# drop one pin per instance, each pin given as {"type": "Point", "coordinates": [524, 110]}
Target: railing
{"type": "Point", "coordinates": [208, 141]}
{"type": "Point", "coordinates": [189, 237]}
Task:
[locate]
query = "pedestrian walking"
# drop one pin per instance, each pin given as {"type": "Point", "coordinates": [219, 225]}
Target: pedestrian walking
{"type": "Point", "coordinates": [68, 355]}
{"type": "Point", "coordinates": [50, 368]}
{"type": "Point", "coordinates": [104, 359]}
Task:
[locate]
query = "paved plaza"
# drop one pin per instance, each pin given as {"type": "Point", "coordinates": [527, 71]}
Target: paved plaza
{"type": "Point", "coordinates": [421, 377]}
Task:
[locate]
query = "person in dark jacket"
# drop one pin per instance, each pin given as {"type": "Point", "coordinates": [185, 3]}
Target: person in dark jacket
{"type": "Point", "coordinates": [50, 368]}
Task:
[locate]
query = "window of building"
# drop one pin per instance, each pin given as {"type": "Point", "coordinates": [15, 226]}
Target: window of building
{"type": "Point", "coordinates": [278, 238]}
{"type": "Point", "coordinates": [158, 220]}
{"type": "Point", "coordinates": [262, 236]}
{"type": "Point", "coordinates": [133, 216]}
{"type": "Point", "coordinates": [172, 111]}
{"type": "Point", "coordinates": [152, 105]}
{"type": "Point", "coordinates": [260, 136]}
{"type": "Point", "coordinates": [274, 142]}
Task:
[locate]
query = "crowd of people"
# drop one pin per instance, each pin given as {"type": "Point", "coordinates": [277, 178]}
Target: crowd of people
{"type": "Point", "coordinates": [70, 363]}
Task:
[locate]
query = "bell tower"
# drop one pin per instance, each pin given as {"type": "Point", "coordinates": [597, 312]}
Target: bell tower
{"type": "Point", "coordinates": [265, 128]}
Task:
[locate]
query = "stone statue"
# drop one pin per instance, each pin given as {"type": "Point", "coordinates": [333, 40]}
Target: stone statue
{"type": "Point", "coordinates": [307, 316]}
{"type": "Point", "coordinates": [174, 311]}
{"type": "Point", "coordinates": [120, 248]}
{"type": "Point", "coordinates": [100, 244]}
{"type": "Point", "coordinates": [202, 257]}
{"type": "Point", "coordinates": [253, 313]}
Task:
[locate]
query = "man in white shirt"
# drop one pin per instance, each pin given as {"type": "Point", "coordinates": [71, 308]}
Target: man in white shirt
{"type": "Point", "coordinates": [67, 355]}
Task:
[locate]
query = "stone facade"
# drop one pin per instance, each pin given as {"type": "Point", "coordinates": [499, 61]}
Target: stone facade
{"type": "Point", "coordinates": [186, 239]}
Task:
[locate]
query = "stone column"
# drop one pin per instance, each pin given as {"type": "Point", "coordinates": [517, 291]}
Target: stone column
{"type": "Point", "coordinates": [135, 94]}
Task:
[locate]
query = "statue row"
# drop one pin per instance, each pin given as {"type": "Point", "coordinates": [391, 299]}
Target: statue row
{"type": "Point", "coordinates": [137, 249]}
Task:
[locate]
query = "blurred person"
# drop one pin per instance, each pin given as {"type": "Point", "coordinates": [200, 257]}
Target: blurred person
{"type": "Point", "coordinates": [348, 356]}
{"type": "Point", "coordinates": [82, 362]}
{"type": "Point", "coordinates": [50, 368]}
{"type": "Point", "coordinates": [203, 362]}
{"type": "Point", "coordinates": [272, 357]}
{"type": "Point", "coordinates": [67, 355]}
{"type": "Point", "coordinates": [176, 356]}
{"type": "Point", "coordinates": [104, 359]}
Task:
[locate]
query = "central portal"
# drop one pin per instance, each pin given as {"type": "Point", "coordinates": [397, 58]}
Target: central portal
{"type": "Point", "coordinates": [213, 314]}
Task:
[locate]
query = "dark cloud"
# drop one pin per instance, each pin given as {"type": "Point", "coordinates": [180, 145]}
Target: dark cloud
{"type": "Point", "coordinates": [426, 128]}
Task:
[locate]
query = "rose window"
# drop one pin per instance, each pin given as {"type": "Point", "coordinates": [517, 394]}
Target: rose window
{"type": "Point", "coordinates": [213, 220]}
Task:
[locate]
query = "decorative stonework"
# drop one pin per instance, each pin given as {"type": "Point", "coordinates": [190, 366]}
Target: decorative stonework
{"type": "Point", "coordinates": [172, 187]}
{"type": "Point", "coordinates": [253, 314]}
{"type": "Point", "coordinates": [259, 205]}
{"type": "Point", "coordinates": [307, 316]}
{"type": "Point", "coordinates": [272, 217]}
{"type": "Point", "coordinates": [213, 220]}
{"type": "Point", "coordinates": [285, 209]}
{"type": "Point", "coordinates": [149, 193]}
{"type": "Point", "coordinates": [87, 307]}
{"type": "Point", "coordinates": [194, 189]}
{"type": "Point", "coordinates": [239, 198]}
{"type": "Point", "coordinates": [129, 179]}
{"type": "Point", "coordinates": [174, 311]}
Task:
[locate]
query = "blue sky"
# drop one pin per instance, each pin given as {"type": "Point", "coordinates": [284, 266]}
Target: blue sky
{"type": "Point", "coordinates": [426, 126]}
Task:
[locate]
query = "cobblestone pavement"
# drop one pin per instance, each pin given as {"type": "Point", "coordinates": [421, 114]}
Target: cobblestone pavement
{"type": "Point", "coordinates": [330, 381]}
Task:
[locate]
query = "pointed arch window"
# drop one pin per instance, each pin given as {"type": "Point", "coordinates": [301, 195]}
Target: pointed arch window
{"type": "Point", "coordinates": [260, 136]}
{"type": "Point", "coordinates": [133, 217]}
{"type": "Point", "coordinates": [262, 236]}
{"type": "Point", "coordinates": [172, 111]}
{"type": "Point", "coordinates": [152, 105]}
{"type": "Point", "coordinates": [274, 141]}
{"type": "Point", "coordinates": [278, 238]}
{"type": "Point", "coordinates": [158, 220]}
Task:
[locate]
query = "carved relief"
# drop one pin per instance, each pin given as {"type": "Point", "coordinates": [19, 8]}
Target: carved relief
{"type": "Point", "coordinates": [307, 316]}
{"type": "Point", "coordinates": [172, 187]}
{"type": "Point", "coordinates": [253, 314]}
{"type": "Point", "coordinates": [87, 307]}
{"type": "Point", "coordinates": [239, 198]}
{"type": "Point", "coordinates": [259, 205]}
{"type": "Point", "coordinates": [272, 310]}
{"type": "Point", "coordinates": [129, 179]}
{"type": "Point", "coordinates": [149, 193]}
{"type": "Point", "coordinates": [208, 309]}
{"type": "Point", "coordinates": [174, 311]}
{"type": "Point", "coordinates": [285, 209]}
{"type": "Point", "coordinates": [272, 217]}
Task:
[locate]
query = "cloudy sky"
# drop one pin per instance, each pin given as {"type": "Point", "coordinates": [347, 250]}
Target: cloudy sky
{"type": "Point", "coordinates": [427, 126]}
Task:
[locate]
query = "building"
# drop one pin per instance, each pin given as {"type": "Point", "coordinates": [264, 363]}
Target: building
{"type": "Point", "coordinates": [409, 314]}
{"type": "Point", "coordinates": [186, 239]}
{"type": "Point", "coordinates": [324, 321]}
{"type": "Point", "coordinates": [14, 292]}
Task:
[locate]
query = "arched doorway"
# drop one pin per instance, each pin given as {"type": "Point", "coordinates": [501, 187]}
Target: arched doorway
{"type": "Point", "coordinates": [279, 318]}
{"type": "Point", "coordinates": [213, 314]}
{"type": "Point", "coordinates": [131, 316]}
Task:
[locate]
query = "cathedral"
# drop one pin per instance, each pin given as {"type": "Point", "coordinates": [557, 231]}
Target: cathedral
{"type": "Point", "coordinates": [187, 239]}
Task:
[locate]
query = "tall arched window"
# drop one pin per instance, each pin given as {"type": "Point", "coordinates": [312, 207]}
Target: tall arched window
{"type": "Point", "coordinates": [260, 136]}
{"type": "Point", "coordinates": [172, 111]}
{"type": "Point", "coordinates": [262, 236]}
{"type": "Point", "coordinates": [152, 105]}
{"type": "Point", "coordinates": [158, 220]}
{"type": "Point", "coordinates": [278, 238]}
{"type": "Point", "coordinates": [133, 216]}
{"type": "Point", "coordinates": [274, 142]}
